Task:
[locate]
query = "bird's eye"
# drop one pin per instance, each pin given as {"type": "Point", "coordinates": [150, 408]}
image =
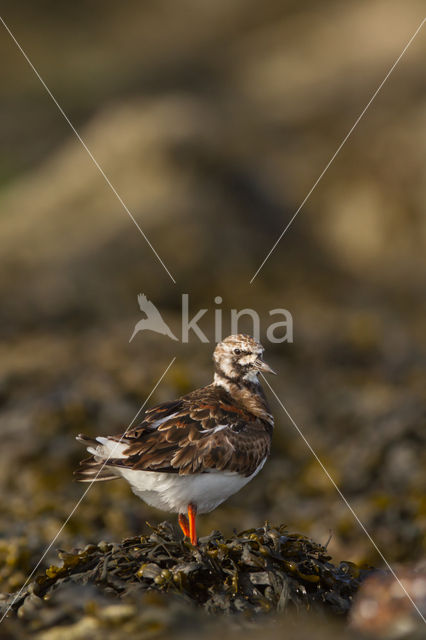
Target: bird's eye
{"type": "Point", "coordinates": [237, 352]}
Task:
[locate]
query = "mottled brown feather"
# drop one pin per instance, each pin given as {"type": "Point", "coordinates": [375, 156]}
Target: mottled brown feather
{"type": "Point", "coordinates": [186, 443]}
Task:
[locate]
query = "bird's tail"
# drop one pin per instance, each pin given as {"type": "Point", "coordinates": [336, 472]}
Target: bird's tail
{"type": "Point", "coordinates": [133, 334]}
{"type": "Point", "coordinates": [94, 468]}
{"type": "Point", "coordinates": [170, 333]}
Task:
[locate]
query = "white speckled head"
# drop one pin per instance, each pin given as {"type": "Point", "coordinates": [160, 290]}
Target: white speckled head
{"type": "Point", "coordinates": [239, 357]}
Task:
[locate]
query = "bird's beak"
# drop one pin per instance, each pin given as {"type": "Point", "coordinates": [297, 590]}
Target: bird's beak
{"type": "Point", "coordinates": [263, 367]}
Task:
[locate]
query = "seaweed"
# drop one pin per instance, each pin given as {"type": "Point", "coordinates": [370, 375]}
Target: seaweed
{"type": "Point", "coordinates": [258, 571]}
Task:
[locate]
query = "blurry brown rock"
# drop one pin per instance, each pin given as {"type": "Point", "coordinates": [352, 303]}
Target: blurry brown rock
{"type": "Point", "coordinates": [382, 608]}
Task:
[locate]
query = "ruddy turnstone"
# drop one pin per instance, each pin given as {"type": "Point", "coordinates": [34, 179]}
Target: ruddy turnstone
{"type": "Point", "coordinates": [191, 454]}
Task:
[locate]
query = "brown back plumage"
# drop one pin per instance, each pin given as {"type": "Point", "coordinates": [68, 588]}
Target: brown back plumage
{"type": "Point", "coordinates": [225, 427]}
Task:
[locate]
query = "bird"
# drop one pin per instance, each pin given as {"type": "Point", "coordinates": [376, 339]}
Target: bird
{"type": "Point", "coordinates": [189, 455]}
{"type": "Point", "coordinates": [153, 320]}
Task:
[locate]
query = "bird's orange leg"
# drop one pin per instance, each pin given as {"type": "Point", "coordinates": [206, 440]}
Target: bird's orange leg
{"type": "Point", "coordinates": [184, 524]}
{"type": "Point", "coordinates": [192, 512]}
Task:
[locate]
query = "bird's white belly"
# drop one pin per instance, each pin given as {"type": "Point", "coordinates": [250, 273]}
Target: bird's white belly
{"type": "Point", "coordinates": [172, 492]}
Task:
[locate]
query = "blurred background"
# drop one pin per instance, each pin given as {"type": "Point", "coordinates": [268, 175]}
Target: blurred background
{"type": "Point", "coordinates": [213, 120]}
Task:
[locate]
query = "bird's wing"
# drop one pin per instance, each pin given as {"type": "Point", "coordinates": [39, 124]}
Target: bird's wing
{"type": "Point", "coordinates": [148, 307]}
{"type": "Point", "coordinates": [202, 431]}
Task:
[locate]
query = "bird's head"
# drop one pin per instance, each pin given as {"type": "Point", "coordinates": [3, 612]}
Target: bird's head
{"type": "Point", "coordinates": [240, 357]}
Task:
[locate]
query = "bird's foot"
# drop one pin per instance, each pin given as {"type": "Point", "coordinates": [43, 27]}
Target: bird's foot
{"type": "Point", "coordinates": [192, 512]}
{"type": "Point", "coordinates": [184, 524]}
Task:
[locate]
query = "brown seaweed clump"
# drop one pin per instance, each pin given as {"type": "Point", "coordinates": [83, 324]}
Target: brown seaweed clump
{"type": "Point", "coordinates": [257, 571]}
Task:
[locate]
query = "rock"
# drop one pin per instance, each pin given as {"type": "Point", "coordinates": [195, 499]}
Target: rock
{"type": "Point", "coordinates": [382, 607]}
